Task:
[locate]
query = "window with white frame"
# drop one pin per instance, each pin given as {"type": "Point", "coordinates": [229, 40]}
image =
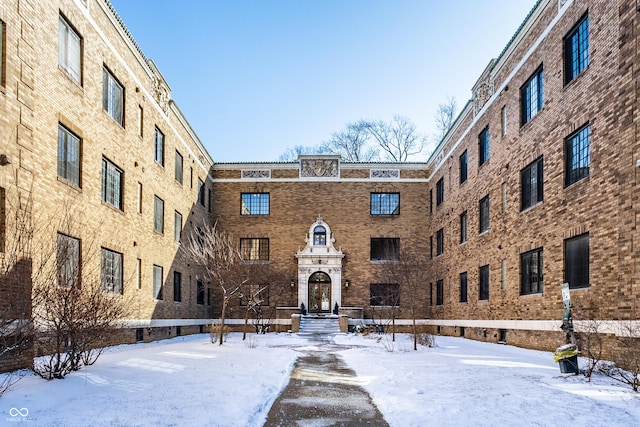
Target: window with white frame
{"type": "Point", "coordinates": [69, 50]}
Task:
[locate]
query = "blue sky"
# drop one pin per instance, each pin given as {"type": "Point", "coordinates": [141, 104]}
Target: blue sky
{"type": "Point", "coordinates": [255, 77]}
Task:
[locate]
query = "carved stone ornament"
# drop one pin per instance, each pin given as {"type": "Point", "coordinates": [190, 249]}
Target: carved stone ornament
{"type": "Point", "coordinates": [256, 173]}
{"type": "Point", "coordinates": [481, 95]}
{"type": "Point", "coordinates": [160, 92]}
{"type": "Point", "coordinates": [321, 168]}
{"type": "Point", "coordinates": [385, 173]}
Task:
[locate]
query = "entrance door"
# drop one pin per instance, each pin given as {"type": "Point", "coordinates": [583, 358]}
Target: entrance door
{"type": "Point", "coordinates": [319, 293]}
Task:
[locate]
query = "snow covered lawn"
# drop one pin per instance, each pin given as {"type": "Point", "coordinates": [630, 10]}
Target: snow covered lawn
{"type": "Point", "coordinates": [188, 381]}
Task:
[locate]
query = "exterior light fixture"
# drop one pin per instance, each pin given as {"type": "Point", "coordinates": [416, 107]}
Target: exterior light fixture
{"type": "Point", "coordinates": [293, 283]}
{"type": "Point", "coordinates": [346, 283]}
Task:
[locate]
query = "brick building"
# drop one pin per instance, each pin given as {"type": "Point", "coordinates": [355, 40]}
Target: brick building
{"type": "Point", "coordinates": [534, 186]}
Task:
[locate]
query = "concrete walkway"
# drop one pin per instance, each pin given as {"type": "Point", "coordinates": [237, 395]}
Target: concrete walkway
{"type": "Point", "coordinates": [323, 391]}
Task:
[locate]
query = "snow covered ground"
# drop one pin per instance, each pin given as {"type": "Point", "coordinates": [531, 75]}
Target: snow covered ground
{"type": "Point", "coordinates": [188, 381]}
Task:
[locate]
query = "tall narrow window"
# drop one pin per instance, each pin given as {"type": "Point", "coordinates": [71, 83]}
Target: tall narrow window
{"type": "Point", "coordinates": [577, 155]}
{"type": "Point", "coordinates": [3, 220]}
{"type": "Point", "coordinates": [483, 146]}
{"type": "Point", "coordinates": [112, 184]}
{"type": "Point", "coordinates": [532, 96]}
{"type": "Point", "coordinates": [440, 242]}
{"type": "Point", "coordinates": [3, 49]}
{"type": "Point", "coordinates": [483, 283]}
{"type": "Point", "coordinates": [253, 249]}
{"type": "Point", "coordinates": [385, 204]}
{"type": "Point", "coordinates": [532, 184]}
{"type": "Point", "coordinates": [112, 96]}
{"type": "Point", "coordinates": [69, 50]}
{"type": "Point", "coordinates": [504, 273]}
{"type": "Point", "coordinates": [440, 292]}
{"type": "Point", "coordinates": [199, 292]}
{"type": "Point", "coordinates": [139, 197]}
{"type": "Point", "coordinates": [576, 261]}
{"type": "Point", "coordinates": [463, 167]}
{"type": "Point", "coordinates": [138, 273]}
{"type": "Point", "coordinates": [504, 197]}
{"type": "Point", "coordinates": [576, 50]}
{"type": "Point", "coordinates": [463, 287]}
{"type": "Point", "coordinates": [531, 276]}
{"type": "Point", "coordinates": [177, 226]}
{"type": "Point", "coordinates": [140, 121]}
{"type": "Point", "coordinates": [254, 204]}
{"type": "Point", "coordinates": [484, 214]}
{"type": "Point", "coordinates": [69, 155]}
{"type": "Point", "coordinates": [177, 286]}
{"type": "Point", "coordinates": [503, 120]}
{"type": "Point", "coordinates": [201, 192]}
{"type": "Point", "coordinates": [111, 271]}
{"type": "Point", "coordinates": [463, 226]}
{"type": "Point", "coordinates": [178, 168]}
{"type": "Point", "coordinates": [68, 261]}
{"type": "Point", "coordinates": [439, 191]}
{"type": "Point", "coordinates": [158, 214]}
{"type": "Point", "coordinates": [158, 147]}
{"type": "Point", "coordinates": [157, 282]}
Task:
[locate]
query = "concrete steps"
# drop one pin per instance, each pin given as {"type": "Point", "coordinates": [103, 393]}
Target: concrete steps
{"type": "Point", "coordinates": [319, 325]}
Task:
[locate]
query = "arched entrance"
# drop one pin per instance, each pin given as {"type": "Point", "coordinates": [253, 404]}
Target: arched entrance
{"type": "Point", "coordinates": [319, 292]}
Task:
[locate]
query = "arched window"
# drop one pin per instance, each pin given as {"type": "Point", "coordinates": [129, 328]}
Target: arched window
{"type": "Point", "coordinates": [319, 236]}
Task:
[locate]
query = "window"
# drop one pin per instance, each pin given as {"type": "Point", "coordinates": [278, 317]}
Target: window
{"type": "Point", "coordinates": [158, 214]}
{"type": "Point", "coordinates": [504, 197]}
{"type": "Point", "coordinates": [463, 226]}
{"type": "Point", "coordinates": [484, 214]}
{"type": "Point", "coordinates": [385, 203]}
{"type": "Point", "coordinates": [319, 236]}
{"type": "Point", "coordinates": [385, 249]}
{"type": "Point", "coordinates": [2, 53]}
{"type": "Point", "coordinates": [112, 184]}
{"type": "Point", "coordinates": [68, 261]}
{"type": "Point", "coordinates": [576, 50]}
{"type": "Point", "coordinates": [111, 271]}
{"type": "Point", "coordinates": [463, 167]}
{"type": "Point", "coordinates": [157, 282]}
{"type": "Point", "coordinates": [430, 247]}
{"type": "Point", "coordinates": [178, 168]}
{"type": "Point", "coordinates": [254, 204]}
{"type": "Point", "coordinates": [3, 220]}
{"type": "Point", "coordinates": [177, 286]}
{"type": "Point", "coordinates": [531, 272]}
{"type": "Point", "coordinates": [140, 121]}
{"type": "Point", "coordinates": [158, 147]}
{"type": "Point", "coordinates": [576, 261]}
{"type": "Point", "coordinates": [484, 283]}
{"type": "Point", "coordinates": [384, 294]}
{"type": "Point", "coordinates": [532, 184]}
{"type": "Point", "coordinates": [68, 155]}
{"type": "Point", "coordinates": [532, 96]}
{"type": "Point", "coordinates": [257, 294]}
{"type": "Point", "coordinates": [463, 287]}
{"type": "Point", "coordinates": [210, 197]}
{"type": "Point", "coordinates": [177, 226]}
{"type": "Point", "coordinates": [138, 273]}
{"type": "Point", "coordinates": [431, 201]}
{"type": "Point", "coordinates": [253, 249]}
{"type": "Point", "coordinates": [440, 191]}
{"type": "Point", "coordinates": [503, 120]}
{"type": "Point", "coordinates": [440, 292]}
{"type": "Point", "coordinates": [201, 192]}
{"type": "Point", "coordinates": [440, 242]}
{"type": "Point", "coordinates": [483, 146]}
{"type": "Point", "coordinates": [112, 96]}
{"type": "Point", "coordinates": [69, 50]}
{"type": "Point", "coordinates": [199, 292]}
{"type": "Point", "coordinates": [430, 294]}
{"type": "Point", "coordinates": [139, 197]}
{"type": "Point", "coordinates": [577, 155]}
{"type": "Point", "coordinates": [504, 273]}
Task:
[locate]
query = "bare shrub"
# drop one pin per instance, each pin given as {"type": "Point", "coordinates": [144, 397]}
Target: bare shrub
{"type": "Point", "coordinates": [627, 351]}
{"type": "Point", "coordinates": [387, 343]}
{"type": "Point", "coordinates": [218, 333]}
{"type": "Point", "coordinates": [251, 342]}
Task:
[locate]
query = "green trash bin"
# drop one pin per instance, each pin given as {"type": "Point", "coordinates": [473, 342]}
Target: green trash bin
{"type": "Point", "coordinates": [567, 358]}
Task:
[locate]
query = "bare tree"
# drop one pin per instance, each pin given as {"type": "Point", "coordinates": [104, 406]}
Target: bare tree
{"type": "Point", "coordinates": [398, 139]}
{"type": "Point", "coordinates": [627, 351]}
{"type": "Point", "coordinates": [291, 154]}
{"type": "Point", "coordinates": [352, 143]}
{"type": "Point", "coordinates": [214, 250]}
{"type": "Point", "coordinates": [445, 117]}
